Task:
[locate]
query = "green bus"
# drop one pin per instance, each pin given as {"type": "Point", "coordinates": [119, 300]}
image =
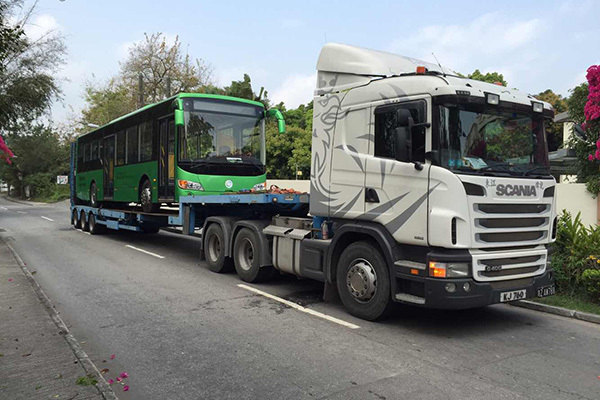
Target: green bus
{"type": "Point", "coordinates": [188, 145]}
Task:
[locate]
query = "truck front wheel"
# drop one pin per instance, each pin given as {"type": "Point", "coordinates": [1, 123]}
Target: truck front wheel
{"type": "Point", "coordinates": [363, 281]}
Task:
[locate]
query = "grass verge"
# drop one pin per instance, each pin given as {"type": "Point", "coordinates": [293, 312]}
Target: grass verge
{"type": "Point", "coordinates": [61, 192]}
{"type": "Point", "coordinates": [572, 303]}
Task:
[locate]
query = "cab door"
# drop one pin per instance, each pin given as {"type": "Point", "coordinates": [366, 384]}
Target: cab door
{"type": "Point", "coordinates": [396, 190]}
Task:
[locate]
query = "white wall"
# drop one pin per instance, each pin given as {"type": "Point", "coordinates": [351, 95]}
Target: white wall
{"type": "Point", "coordinates": [575, 198]}
{"type": "Point", "coordinates": [301, 186]}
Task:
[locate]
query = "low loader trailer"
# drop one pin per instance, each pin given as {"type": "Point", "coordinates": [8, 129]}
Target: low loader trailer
{"type": "Point", "coordinates": [427, 189]}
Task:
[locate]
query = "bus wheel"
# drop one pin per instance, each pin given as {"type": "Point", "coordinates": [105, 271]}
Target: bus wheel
{"type": "Point", "coordinates": [93, 227]}
{"type": "Point", "coordinates": [85, 225]}
{"type": "Point", "coordinates": [363, 281]}
{"type": "Point", "coordinates": [75, 219]}
{"type": "Point", "coordinates": [214, 249]}
{"type": "Point", "coordinates": [146, 198]}
{"type": "Point", "coordinates": [246, 257]}
{"type": "Point", "coordinates": [93, 195]}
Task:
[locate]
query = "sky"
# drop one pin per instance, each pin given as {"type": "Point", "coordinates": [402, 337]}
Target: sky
{"type": "Point", "coordinates": [536, 45]}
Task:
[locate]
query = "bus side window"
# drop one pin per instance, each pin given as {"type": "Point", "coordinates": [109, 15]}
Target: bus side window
{"type": "Point", "coordinates": [94, 155]}
{"type": "Point", "coordinates": [80, 153]}
{"type": "Point", "coordinates": [86, 152]}
{"type": "Point", "coordinates": [146, 141]}
{"type": "Point", "coordinates": [121, 148]}
{"type": "Point", "coordinates": [132, 145]}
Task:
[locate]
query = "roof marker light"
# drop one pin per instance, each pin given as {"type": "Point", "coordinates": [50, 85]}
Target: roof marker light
{"type": "Point", "coordinates": [421, 69]}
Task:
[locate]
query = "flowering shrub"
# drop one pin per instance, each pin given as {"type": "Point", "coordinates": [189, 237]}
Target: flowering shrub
{"type": "Point", "coordinates": [5, 152]}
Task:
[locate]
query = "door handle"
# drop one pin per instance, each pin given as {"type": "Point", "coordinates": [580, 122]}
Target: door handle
{"type": "Point", "coordinates": [371, 196]}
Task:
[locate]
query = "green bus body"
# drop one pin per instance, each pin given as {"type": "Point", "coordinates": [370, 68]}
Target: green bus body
{"type": "Point", "coordinates": [105, 155]}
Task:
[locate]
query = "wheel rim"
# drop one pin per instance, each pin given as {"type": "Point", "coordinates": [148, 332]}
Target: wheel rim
{"type": "Point", "coordinates": [214, 248]}
{"type": "Point", "coordinates": [82, 217]}
{"type": "Point", "coordinates": [245, 254]}
{"type": "Point", "coordinates": [361, 280]}
{"type": "Point", "coordinates": [146, 196]}
{"type": "Point", "coordinates": [91, 221]}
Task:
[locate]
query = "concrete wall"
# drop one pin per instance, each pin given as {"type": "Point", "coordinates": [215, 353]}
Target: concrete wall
{"type": "Point", "coordinates": [575, 198]}
{"type": "Point", "coordinates": [301, 186]}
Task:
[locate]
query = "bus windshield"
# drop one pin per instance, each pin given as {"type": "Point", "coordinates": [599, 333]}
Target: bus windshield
{"type": "Point", "coordinates": [477, 138]}
{"type": "Point", "coordinates": [222, 138]}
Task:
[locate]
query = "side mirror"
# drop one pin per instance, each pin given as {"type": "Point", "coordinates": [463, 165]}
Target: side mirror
{"type": "Point", "coordinates": [579, 132]}
{"type": "Point", "coordinates": [403, 144]}
{"type": "Point", "coordinates": [179, 119]}
{"type": "Point", "coordinates": [273, 112]}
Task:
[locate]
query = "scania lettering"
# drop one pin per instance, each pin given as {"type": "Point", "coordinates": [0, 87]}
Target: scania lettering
{"type": "Point", "coordinates": [426, 188]}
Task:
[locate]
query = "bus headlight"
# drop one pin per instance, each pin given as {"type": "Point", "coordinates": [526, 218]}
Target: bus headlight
{"type": "Point", "coordinates": [260, 186]}
{"type": "Point", "coordinates": [449, 270]}
{"type": "Point", "coordinates": [189, 185]}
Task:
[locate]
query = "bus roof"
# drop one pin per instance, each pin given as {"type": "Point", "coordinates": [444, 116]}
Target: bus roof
{"type": "Point", "coordinates": [178, 96]}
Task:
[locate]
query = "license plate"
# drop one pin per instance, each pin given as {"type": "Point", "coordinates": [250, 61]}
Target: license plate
{"type": "Point", "coordinates": [546, 291]}
{"type": "Point", "coordinates": [514, 295]}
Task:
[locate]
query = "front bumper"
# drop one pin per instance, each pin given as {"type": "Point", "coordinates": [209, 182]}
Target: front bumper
{"type": "Point", "coordinates": [480, 294]}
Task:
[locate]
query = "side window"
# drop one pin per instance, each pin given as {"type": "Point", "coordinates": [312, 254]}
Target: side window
{"type": "Point", "coordinates": [121, 148]}
{"type": "Point", "coordinates": [94, 155]}
{"type": "Point", "coordinates": [86, 152]}
{"type": "Point", "coordinates": [146, 141]}
{"type": "Point", "coordinates": [386, 123]}
{"type": "Point", "coordinates": [132, 145]}
{"type": "Point", "coordinates": [80, 153]}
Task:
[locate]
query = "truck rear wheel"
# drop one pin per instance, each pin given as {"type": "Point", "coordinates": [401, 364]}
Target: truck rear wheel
{"type": "Point", "coordinates": [94, 227]}
{"type": "Point", "coordinates": [75, 219]}
{"type": "Point", "coordinates": [85, 224]}
{"type": "Point", "coordinates": [214, 249]}
{"type": "Point", "coordinates": [363, 281]}
{"type": "Point", "coordinates": [246, 257]}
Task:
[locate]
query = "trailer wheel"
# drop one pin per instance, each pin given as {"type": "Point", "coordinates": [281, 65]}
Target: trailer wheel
{"type": "Point", "coordinates": [85, 224]}
{"type": "Point", "coordinates": [75, 219]}
{"type": "Point", "coordinates": [93, 195]}
{"type": "Point", "coordinates": [214, 249]}
{"type": "Point", "coordinates": [93, 226]}
{"type": "Point", "coordinates": [150, 230]}
{"type": "Point", "coordinates": [363, 281]}
{"type": "Point", "coordinates": [246, 257]}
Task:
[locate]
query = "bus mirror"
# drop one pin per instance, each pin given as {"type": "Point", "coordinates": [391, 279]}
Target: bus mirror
{"type": "Point", "coordinates": [273, 112]}
{"type": "Point", "coordinates": [179, 120]}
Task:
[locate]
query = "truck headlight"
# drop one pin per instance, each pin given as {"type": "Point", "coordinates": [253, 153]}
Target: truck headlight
{"type": "Point", "coordinates": [260, 186]}
{"type": "Point", "coordinates": [449, 270]}
{"type": "Point", "coordinates": [189, 185]}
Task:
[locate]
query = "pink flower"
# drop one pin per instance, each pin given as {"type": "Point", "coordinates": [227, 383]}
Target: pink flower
{"type": "Point", "coordinates": [125, 388]}
{"type": "Point", "coordinates": [112, 356]}
{"type": "Point", "coordinates": [10, 279]}
{"type": "Point", "coordinates": [591, 157]}
{"type": "Point", "coordinates": [124, 375]}
{"type": "Point", "coordinates": [110, 381]}
{"type": "Point", "coordinates": [597, 154]}
{"type": "Point", "coordinates": [598, 144]}
{"type": "Point", "coordinates": [119, 379]}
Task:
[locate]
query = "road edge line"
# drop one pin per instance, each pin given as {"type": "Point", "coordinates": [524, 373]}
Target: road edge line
{"type": "Point", "coordinates": [563, 312]}
{"type": "Point", "coordinates": [84, 360]}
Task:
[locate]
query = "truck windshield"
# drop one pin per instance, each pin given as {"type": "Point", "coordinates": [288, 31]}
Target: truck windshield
{"type": "Point", "coordinates": [222, 138]}
{"type": "Point", "coordinates": [476, 138]}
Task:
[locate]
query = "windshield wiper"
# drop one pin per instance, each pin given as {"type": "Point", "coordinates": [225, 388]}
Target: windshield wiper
{"type": "Point", "coordinates": [491, 167]}
{"type": "Point", "coordinates": [525, 173]}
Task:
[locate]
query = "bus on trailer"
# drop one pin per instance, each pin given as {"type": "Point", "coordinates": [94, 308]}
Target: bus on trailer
{"type": "Point", "coordinates": [186, 145]}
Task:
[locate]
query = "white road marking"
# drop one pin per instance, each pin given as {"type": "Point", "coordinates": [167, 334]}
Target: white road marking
{"type": "Point", "coordinates": [48, 219]}
{"type": "Point", "coordinates": [22, 212]}
{"type": "Point", "coordinates": [145, 251]}
{"type": "Point", "coordinates": [4, 208]}
{"type": "Point", "coordinates": [299, 307]}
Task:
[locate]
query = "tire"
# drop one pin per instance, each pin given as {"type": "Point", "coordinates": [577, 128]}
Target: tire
{"type": "Point", "coordinates": [76, 220]}
{"type": "Point", "coordinates": [94, 228]}
{"type": "Point", "coordinates": [246, 257]}
{"type": "Point", "coordinates": [85, 225]}
{"type": "Point", "coordinates": [214, 249]}
{"type": "Point", "coordinates": [146, 198]}
{"type": "Point", "coordinates": [150, 230]}
{"type": "Point", "coordinates": [93, 195]}
{"type": "Point", "coordinates": [363, 282]}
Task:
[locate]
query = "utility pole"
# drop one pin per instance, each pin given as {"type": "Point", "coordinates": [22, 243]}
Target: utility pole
{"type": "Point", "coordinates": [141, 91]}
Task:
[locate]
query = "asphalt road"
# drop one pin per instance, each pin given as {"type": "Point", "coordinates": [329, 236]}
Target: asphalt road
{"type": "Point", "coordinates": [183, 332]}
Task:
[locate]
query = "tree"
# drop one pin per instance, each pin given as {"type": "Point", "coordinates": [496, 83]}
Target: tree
{"type": "Point", "coordinates": [490, 77]}
{"type": "Point", "coordinates": [576, 102]}
{"type": "Point", "coordinates": [554, 131]}
{"type": "Point", "coordinates": [28, 83]}
{"type": "Point", "coordinates": [156, 60]}
{"type": "Point", "coordinates": [243, 89]}
{"type": "Point", "coordinates": [106, 102]}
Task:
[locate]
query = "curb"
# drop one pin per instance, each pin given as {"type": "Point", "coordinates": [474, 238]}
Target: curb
{"type": "Point", "coordinates": [563, 312]}
{"type": "Point", "coordinates": [24, 202]}
{"type": "Point", "coordinates": [88, 366]}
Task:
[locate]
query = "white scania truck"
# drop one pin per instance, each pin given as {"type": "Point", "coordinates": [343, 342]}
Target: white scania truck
{"type": "Point", "coordinates": [426, 188]}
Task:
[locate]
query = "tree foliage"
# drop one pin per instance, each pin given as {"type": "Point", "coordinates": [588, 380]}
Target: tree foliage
{"type": "Point", "coordinates": [490, 77]}
{"type": "Point", "coordinates": [28, 84]}
{"type": "Point", "coordinates": [554, 131]}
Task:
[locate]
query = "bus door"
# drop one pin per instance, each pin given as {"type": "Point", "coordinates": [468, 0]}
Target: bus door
{"type": "Point", "coordinates": [108, 165]}
{"type": "Point", "coordinates": [166, 173]}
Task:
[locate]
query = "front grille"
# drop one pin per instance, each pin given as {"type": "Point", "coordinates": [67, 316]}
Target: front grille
{"type": "Point", "coordinates": [513, 208]}
{"type": "Point", "coordinates": [510, 261]}
{"type": "Point", "coordinates": [511, 222]}
{"type": "Point", "coordinates": [510, 272]}
{"type": "Point", "coordinates": [510, 237]}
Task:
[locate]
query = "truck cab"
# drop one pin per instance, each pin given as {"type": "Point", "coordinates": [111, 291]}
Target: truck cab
{"type": "Point", "coordinates": [445, 178]}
